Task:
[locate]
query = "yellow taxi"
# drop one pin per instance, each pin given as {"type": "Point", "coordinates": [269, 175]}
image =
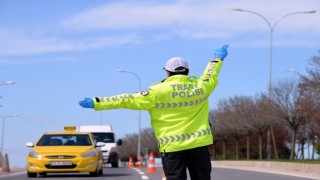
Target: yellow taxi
{"type": "Point", "coordinates": [65, 152]}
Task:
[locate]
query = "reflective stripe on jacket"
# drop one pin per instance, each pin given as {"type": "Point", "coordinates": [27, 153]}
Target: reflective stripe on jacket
{"type": "Point", "coordinates": [178, 107]}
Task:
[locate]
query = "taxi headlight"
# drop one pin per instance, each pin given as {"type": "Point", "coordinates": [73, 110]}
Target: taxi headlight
{"type": "Point", "coordinates": [34, 154]}
{"type": "Point", "coordinates": [91, 153]}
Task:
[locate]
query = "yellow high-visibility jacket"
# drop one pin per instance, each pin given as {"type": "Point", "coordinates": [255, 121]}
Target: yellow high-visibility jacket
{"type": "Point", "coordinates": [178, 107]}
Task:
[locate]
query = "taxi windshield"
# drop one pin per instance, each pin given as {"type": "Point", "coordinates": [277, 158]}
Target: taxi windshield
{"type": "Point", "coordinates": [65, 140]}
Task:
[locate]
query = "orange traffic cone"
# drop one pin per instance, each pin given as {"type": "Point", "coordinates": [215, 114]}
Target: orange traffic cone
{"type": "Point", "coordinates": [151, 165]}
{"type": "Point", "coordinates": [139, 164]}
{"type": "Point", "coordinates": [131, 162]}
{"type": "Point", "coordinates": [164, 176]}
{"type": "Point", "coordinates": [5, 164]}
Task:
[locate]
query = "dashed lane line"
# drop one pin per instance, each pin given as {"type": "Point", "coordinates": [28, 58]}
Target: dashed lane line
{"type": "Point", "coordinates": [142, 174]}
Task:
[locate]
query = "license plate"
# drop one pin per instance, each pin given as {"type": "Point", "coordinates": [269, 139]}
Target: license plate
{"type": "Point", "coordinates": [60, 163]}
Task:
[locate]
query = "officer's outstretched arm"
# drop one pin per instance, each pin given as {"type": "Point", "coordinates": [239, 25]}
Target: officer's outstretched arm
{"type": "Point", "coordinates": [137, 101]}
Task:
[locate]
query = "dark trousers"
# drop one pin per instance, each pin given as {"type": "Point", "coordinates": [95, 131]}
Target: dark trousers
{"type": "Point", "coordinates": [197, 161]}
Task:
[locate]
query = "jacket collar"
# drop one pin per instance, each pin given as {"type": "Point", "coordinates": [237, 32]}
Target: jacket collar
{"type": "Point", "coordinates": [177, 78]}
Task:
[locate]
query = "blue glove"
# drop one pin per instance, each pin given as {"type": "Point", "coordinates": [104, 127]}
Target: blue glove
{"type": "Point", "coordinates": [87, 103]}
{"type": "Point", "coordinates": [221, 52]}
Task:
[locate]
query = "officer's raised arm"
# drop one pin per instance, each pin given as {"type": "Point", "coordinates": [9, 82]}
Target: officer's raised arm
{"type": "Point", "coordinates": [210, 74]}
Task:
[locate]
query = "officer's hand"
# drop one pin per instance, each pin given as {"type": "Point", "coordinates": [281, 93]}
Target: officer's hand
{"type": "Point", "coordinates": [87, 103]}
{"type": "Point", "coordinates": [221, 53]}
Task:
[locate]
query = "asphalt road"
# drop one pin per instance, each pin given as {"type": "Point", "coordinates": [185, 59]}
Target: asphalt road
{"type": "Point", "coordinates": [125, 173]}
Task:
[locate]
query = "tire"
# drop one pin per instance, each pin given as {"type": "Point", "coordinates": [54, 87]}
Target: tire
{"type": "Point", "coordinates": [115, 165]}
{"type": "Point", "coordinates": [94, 174]}
{"type": "Point", "coordinates": [32, 174]}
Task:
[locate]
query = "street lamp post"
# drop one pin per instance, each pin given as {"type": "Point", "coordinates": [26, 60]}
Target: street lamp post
{"type": "Point", "coordinates": [139, 123]}
{"type": "Point", "coordinates": [3, 128]}
{"type": "Point", "coordinates": [291, 70]}
{"type": "Point", "coordinates": [271, 28]}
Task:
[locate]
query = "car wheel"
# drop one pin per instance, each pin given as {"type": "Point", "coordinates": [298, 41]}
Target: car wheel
{"type": "Point", "coordinates": [95, 173]}
{"type": "Point", "coordinates": [115, 165]}
{"type": "Point", "coordinates": [32, 174]}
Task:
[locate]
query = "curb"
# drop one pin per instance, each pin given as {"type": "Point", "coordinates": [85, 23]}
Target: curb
{"type": "Point", "coordinates": [293, 169]}
{"type": "Point", "coordinates": [15, 170]}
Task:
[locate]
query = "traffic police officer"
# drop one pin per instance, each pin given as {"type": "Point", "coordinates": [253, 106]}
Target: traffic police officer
{"type": "Point", "coordinates": [179, 112]}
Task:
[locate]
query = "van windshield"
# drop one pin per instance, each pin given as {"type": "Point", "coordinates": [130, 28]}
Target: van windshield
{"type": "Point", "coordinates": [103, 137]}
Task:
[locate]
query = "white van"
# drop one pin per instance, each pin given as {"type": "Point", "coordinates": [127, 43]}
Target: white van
{"type": "Point", "coordinates": [104, 133]}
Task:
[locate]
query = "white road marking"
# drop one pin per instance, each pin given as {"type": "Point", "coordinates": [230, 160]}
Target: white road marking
{"type": "Point", "coordinates": [143, 176]}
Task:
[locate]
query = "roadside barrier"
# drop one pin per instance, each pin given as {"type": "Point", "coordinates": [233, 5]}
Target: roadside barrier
{"type": "Point", "coordinates": [139, 164]}
{"type": "Point", "coordinates": [151, 165]}
{"type": "Point", "coordinates": [131, 162]}
{"type": "Point", "coordinates": [5, 164]}
{"type": "Point", "coordinates": [163, 176]}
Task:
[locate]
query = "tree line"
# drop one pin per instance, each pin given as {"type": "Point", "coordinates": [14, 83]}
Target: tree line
{"type": "Point", "coordinates": [283, 122]}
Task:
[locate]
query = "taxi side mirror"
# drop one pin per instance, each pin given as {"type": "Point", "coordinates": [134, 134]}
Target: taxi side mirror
{"type": "Point", "coordinates": [29, 144]}
{"type": "Point", "coordinates": [100, 144]}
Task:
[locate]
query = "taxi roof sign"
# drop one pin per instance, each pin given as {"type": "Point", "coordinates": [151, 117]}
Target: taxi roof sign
{"type": "Point", "coordinates": [70, 128]}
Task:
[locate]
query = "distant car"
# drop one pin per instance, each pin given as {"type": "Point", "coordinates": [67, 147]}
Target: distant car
{"type": "Point", "coordinates": [64, 152]}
